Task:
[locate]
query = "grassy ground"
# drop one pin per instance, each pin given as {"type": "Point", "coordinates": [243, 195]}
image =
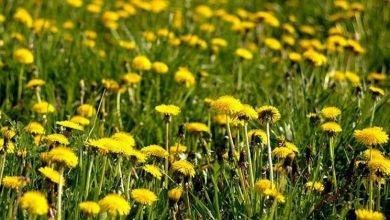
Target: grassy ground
{"type": "Point", "coordinates": [342, 59]}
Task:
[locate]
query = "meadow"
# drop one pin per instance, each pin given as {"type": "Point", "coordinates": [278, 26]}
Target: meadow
{"type": "Point", "coordinates": [194, 109]}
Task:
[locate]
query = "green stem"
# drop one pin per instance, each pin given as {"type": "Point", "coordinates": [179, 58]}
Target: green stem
{"type": "Point", "coordinates": [251, 176]}
{"type": "Point", "coordinates": [88, 178]}
{"type": "Point", "coordinates": [2, 166]}
{"type": "Point", "coordinates": [59, 196]}
{"type": "Point", "coordinates": [232, 148]}
{"type": "Point", "coordinates": [373, 113]}
{"type": "Point", "coordinates": [103, 174]}
{"type": "Point", "coordinates": [118, 110]}
{"type": "Point", "coordinates": [239, 80]}
{"type": "Point", "coordinates": [271, 171]}
{"type": "Point", "coordinates": [371, 188]}
{"type": "Point", "coordinates": [331, 151]}
{"type": "Point", "coordinates": [167, 158]}
{"type": "Point", "coordinates": [20, 83]}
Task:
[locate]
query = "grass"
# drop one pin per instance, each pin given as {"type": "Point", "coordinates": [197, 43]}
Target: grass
{"type": "Point", "coordinates": [222, 186]}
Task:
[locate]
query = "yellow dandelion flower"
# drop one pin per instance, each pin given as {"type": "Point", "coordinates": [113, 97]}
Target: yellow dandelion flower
{"type": "Point", "coordinates": [282, 152]}
{"type": "Point", "coordinates": [34, 202]}
{"type": "Point", "coordinates": [143, 196]}
{"type": "Point", "coordinates": [168, 109]}
{"type": "Point", "coordinates": [373, 153]}
{"type": "Point", "coordinates": [376, 91]}
{"type": "Point", "coordinates": [178, 148]}
{"type": "Point", "coordinates": [295, 57]}
{"type": "Point", "coordinates": [258, 133]}
{"type": "Point", "coordinates": [371, 136]}
{"type": "Point", "coordinates": [128, 45]}
{"type": "Point", "coordinates": [196, 127]}
{"type": "Point", "coordinates": [262, 185]}
{"type": "Point", "coordinates": [15, 182]}
{"type": "Point", "coordinates": [23, 16]}
{"type": "Point", "coordinates": [110, 85]}
{"type": "Point", "coordinates": [365, 214]}
{"type": "Point", "coordinates": [141, 63]}
{"type": "Point", "coordinates": [153, 170]}
{"type": "Point", "coordinates": [9, 146]}
{"type": "Point", "coordinates": [89, 208]}
{"type": "Point", "coordinates": [353, 78]}
{"type": "Point", "coordinates": [114, 204]}
{"type": "Point", "coordinates": [75, 3]}
{"type": "Point", "coordinates": [316, 58]}
{"type": "Point", "coordinates": [35, 83]}
{"type": "Point", "coordinates": [331, 127]}
{"type": "Point", "coordinates": [160, 67]}
{"type": "Point", "coordinates": [185, 77]}
{"type": "Point", "coordinates": [126, 139]}
{"type": "Point", "coordinates": [86, 110]}
{"type": "Point", "coordinates": [381, 165]}
{"type": "Point", "coordinates": [246, 113]}
{"type": "Point", "coordinates": [131, 78]}
{"type": "Point", "coordinates": [63, 155]}
{"type": "Point", "coordinates": [268, 114]}
{"type": "Point", "coordinates": [80, 120]}
{"type": "Point", "coordinates": [138, 155]}
{"type": "Point", "coordinates": [57, 138]}
{"type": "Point", "coordinates": [330, 112]}
{"type": "Point", "coordinates": [175, 194]}
{"type": "Point", "coordinates": [53, 175]}
{"type": "Point", "coordinates": [244, 54]}
{"type": "Point", "coordinates": [71, 125]}
{"type": "Point", "coordinates": [184, 167]}
{"type": "Point", "coordinates": [377, 77]}
{"type": "Point", "coordinates": [8, 132]}
{"type": "Point", "coordinates": [155, 150]}
{"type": "Point", "coordinates": [43, 107]}
{"type": "Point", "coordinates": [227, 105]}
{"type": "Point", "coordinates": [24, 56]}
{"type": "Point", "coordinates": [34, 128]}
{"type": "Point", "coordinates": [291, 146]}
{"type": "Point", "coordinates": [273, 43]}
{"type": "Point", "coordinates": [317, 186]}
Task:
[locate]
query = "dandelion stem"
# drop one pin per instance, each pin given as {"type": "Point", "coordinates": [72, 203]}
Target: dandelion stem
{"type": "Point", "coordinates": [103, 174]}
{"type": "Point", "coordinates": [167, 149]}
{"type": "Point", "coordinates": [331, 152]}
{"type": "Point", "coordinates": [20, 83]}
{"type": "Point", "coordinates": [38, 93]}
{"type": "Point", "coordinates": [373, 113]}
{"type": "Point", "coordinates": [239, 79]}
{"type": "Point", "coordinates": [230, 137]}
{"type": "Point", "coordinates": [59, 196]}
{"type": "Point", "coordinates": [251, 176]}
{"type": "Point", "coordinates": [88, 178]}
{"type": "Point", "coordinates": [371, 188]}
{"type": "Point", "coordinates": [118, 110]}
{"type": "Point", "coordinates": [3, 157]}
{"type": "Point", "coordinates": [271, 172]}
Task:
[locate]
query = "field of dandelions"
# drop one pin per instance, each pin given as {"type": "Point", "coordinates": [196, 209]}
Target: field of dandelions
{"type": "Point", "coordinates": [194, 109]}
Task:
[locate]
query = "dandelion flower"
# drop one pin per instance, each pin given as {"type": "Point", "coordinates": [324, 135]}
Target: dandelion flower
{"type": "Point", "coordinates": [86, 110]}
{"type": "Point", "coordinates": [24, 56]}
{"type": "Point", "coordinates": [282, 152]}
{"type": "Point", "coordinates": [89, 208]}
{"type": "Point", "coordinates": [10, 146]}
{"type": "Point", "coordinates": [196, 127]}
{"type": "Point", "coordinates": [376, 91]}
{"type": "Point", "coordinates": [227, 105]}
{"type": "Point", "coordinates": [168, 109]}
{"type": "Point", "coordinates": [15, 182]}
{"type": "Point", "coordinates": [53, 175]}
{"type": "Point", "coordinates": [63, 155]}
{"type": "Point", "coordinates": [70, 125]}
{"type": "Point", "coordinates": [178, 148]}
{"type": "Point", "coordinates": [175, 194]}
{"type": "Point", "coordinates": [330, 112]}
{"type": "Point", "coordinates": [365, 214]}
{"type": "Point", "coordinates": [185, 77]}
{"type": "Point", "coordinates": [155, 150]}
{"type": "Point", "coordinates": [244, 54]}
{"type": "Point", "coordinates": [126, 139]}
{"type": "Point", "coordinates": [381, 165]}
{"type": "Point", "coordinates": [246, 113]}
{"type": "Point", "coordinates": [114, 205]}
{"type": "Point", "coordinates": [143, 196]}
{"type": "Point", "coordinates": [80, 120]}
{"type": "Point", "coordinates": [131, 78]}
{"type": "Point", "coordinates": [153, 170]}
{"type": "Point", "coordinates": [34, 128]}
{"type": "Point", "coordinates": [43, 107]}
{"type": "Point", "coordinates": [258, 133]}
{"type": "Point", "coordinates": [373, 153]}
{"type": "Point", "coordinates": [35, 83]}
{"type": "Point", "coordinates": [141, 63]}
{"type": "Point", "coordinates": [262, 185]}
{"type": "Point", "coordinates": [57, 138]}
{"type": "Point", "coordinates": [268, 114]}
{"type": "Point", "coordinates": [317, 186]}
{"type": "Point", "coordinates": [331, 127]}
{"type": "Point", "coordinates": [371, 136]}
{"type": "Point", "coordinates": [34, 202]}
{"type": "Point", "coordinates": [160, 67]}
{"type": "Point", "coordinates": [184, 167]}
